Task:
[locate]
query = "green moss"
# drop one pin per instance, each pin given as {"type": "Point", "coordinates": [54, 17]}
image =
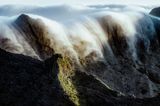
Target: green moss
{"type": "Point", "coordinates": [65, 77]}
{"type": "Point", "coordinates": [83, 89]}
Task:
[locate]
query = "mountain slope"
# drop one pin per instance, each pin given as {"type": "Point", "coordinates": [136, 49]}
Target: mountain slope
{"type": "Point", "coordinates": [26, 81]}
{"type": "Point", "coordinates": [111, 57]}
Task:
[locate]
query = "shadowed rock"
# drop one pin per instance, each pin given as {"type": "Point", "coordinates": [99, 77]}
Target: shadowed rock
{"type": "Point", "coordinates": [25, 81]}
{"type": "Point", "coordinates": [155, 12]}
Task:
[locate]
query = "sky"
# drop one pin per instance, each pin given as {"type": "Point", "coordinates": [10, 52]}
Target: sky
{"type": "Point", "coordinates": [81, 2]}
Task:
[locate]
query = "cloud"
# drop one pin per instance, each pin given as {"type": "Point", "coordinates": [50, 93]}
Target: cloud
{"type": "Point", "coordinates": [84, 2]}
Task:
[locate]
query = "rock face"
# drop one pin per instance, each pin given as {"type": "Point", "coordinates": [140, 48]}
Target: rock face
{"type": "Point", "coordinates": [35, 35]}
{"type": "Point", "coordinates": [26, 81]}
{"type": "Point", "coordinates": [155, 12]}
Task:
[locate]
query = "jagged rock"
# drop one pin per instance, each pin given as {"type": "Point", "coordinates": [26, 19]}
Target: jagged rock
{"type": "Point", "coordinates": [25, 81]}
{"type": "Point", "coordinates": [35, 34]}
{"type": "Point", "coordinates": [155, 12]}
{"type": "Point", "coordinates": [154, 75]}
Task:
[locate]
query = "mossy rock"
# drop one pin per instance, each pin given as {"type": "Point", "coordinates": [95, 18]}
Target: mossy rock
{"type": "Point", "coordinates": [66, 72]}
{"type": "Point", "coordinates": [82, 89]}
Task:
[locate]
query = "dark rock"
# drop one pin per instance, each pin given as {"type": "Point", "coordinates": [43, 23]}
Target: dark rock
{"type": "Point", "coordinates": [25, 81]}
{"type": "Point", "coordinates": [155, 12]}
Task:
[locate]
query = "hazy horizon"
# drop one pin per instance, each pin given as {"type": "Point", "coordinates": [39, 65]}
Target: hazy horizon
{"type": "Point", "coordinates": [82, 2]}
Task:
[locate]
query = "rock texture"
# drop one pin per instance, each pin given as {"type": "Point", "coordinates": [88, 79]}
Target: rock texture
{"type": "Point", "coordinates": [129, 68]}
{"type": "Point", "coordinates": [26, 81]}
{"type": "Point", "coordinates": [155, 12]}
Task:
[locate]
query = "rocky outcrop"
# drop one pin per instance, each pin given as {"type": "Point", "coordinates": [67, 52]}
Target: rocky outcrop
{"type": "Point", "coordinates": [26, 81]}
{"type": "Point", "coordinates": [35, 35]}
{"type": "Point", "coordinates": [155, 12]}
